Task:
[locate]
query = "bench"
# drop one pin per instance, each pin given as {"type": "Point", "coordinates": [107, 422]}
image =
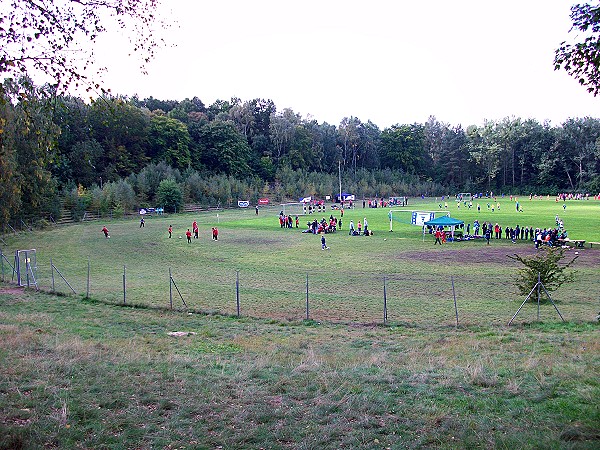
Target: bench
{"type": "Point", "coordinates": [594, 243]}
{"type": "Point", "coordinates": [577, 243]}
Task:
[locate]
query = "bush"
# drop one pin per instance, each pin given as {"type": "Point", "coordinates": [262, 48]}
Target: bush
{"type": "Point", "coordinates": [545, 265]}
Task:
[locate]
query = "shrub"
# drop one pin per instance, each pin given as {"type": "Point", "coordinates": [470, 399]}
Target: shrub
{"type": "Point", "coordinates": [546, 265]}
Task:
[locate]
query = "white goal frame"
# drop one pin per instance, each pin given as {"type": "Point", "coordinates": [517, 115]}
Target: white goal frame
{"type": "Point", "coordinates": [294, 209]}
{"type": "Point", "coordinates": [464, 197]}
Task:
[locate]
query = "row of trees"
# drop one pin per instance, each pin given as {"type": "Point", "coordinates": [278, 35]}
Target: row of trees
{"type": "Point", "coordinates": [114, 137]}
{"type": "Point", "coordinates": [51, 143]}
{"type": "Point", "coordinates": [54, 144]}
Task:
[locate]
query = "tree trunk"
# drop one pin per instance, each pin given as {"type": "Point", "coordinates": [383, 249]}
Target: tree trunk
{"type": "Point", "coordinates": [513, 166]}
{"type": "Point", "coordinates": [570, 180]}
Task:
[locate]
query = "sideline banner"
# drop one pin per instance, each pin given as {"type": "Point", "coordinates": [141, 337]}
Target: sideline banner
{"type": "Point", "coordinates": [243, 203]}
{"type": "Point", "coordinates": [420, 217]}
{"type": "Point", "coordinates": [263, 201]}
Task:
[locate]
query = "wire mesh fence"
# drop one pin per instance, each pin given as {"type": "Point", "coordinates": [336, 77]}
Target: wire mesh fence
{"type": "Point", "coordinates": [482, 298]}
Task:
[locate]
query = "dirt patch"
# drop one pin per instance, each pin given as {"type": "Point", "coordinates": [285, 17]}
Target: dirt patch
{"type": "Point", "coordinates": [10, 290]}
{"type": "Point", "coordinates": [257, 241]}
{"type": "Point", "coordinates": [491, 254]}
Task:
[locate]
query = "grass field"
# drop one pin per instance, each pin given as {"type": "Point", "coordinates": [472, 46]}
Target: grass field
{"type": "Point", "coordinates": [345, 283]}
{"type": "Point", "coordinates": [89, 373]}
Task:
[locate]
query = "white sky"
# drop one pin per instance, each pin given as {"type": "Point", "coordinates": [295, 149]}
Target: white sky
{"type": "Point", "coordinates": [383, 60]}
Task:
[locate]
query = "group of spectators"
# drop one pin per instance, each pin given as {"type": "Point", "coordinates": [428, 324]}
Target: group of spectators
{"type": "Point", "coordinates": [571, 196]}
{"type": "Point", "coordinates": [513, 233]}
{"type": "Point", "coordinates": [314, 206]}
{"type": "Point", "coordinates": [375, 203]}
{"type": "Point", "coordinates": [362, 229]}
{"type": "Point", "coordinates": [286, 221]}
{"type": "Point", "coordinates": [547, 236]}
{"type": "Point", "coordinates": [323, 226]}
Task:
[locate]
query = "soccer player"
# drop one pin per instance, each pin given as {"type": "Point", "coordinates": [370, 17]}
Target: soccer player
{"type": "Point", "coordinates": [188, 233]}
{"type": "Point", "coordinates": [170, 231]}
{"type": "Point", "coordinates": [323, 244]}
{"type": "Point", "coordinates": [105, 231]}
{"type": "Point", "coordinates": [438, 234]}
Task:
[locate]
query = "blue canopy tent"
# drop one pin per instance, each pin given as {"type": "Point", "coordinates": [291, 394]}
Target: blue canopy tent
{"type": "Point", "coordinates": [444, 221]}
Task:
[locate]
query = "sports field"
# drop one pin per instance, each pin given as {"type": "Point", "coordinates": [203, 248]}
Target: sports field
{"type": "Point", "coordinates": [81, 373]}
{"type": "Point", "coordinates": [267, 268]}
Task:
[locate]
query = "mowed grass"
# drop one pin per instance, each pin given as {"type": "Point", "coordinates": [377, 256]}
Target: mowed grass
{"type": "Point", "coordinates": [345, 283]}
{"type": "Point", "coordinates": [90, 373]}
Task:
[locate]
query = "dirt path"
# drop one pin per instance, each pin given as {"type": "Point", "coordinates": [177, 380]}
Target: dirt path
{"type": "Point", "coordinates": [497, 255]}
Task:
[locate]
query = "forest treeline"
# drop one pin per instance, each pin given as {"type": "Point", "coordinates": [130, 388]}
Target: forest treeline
{"type": "Point", "coordinates": [117, 153]}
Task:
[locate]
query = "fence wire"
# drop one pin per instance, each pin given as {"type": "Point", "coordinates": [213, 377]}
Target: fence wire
{"type": "Point", "coordinates": [418, 299]}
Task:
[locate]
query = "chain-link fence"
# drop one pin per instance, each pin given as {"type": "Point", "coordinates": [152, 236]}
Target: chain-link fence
{"type": "Point", "coordinates": [479, 298]}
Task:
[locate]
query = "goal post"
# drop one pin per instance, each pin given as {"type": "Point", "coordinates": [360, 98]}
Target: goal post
{"type": "Point", "coordinates": [294, 209]}
{"type": "Point", "coordinates": [464, 197]}
{"type": "Point", "coordinates": [25, 267]}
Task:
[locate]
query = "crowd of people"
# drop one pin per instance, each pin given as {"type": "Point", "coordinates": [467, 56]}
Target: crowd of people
{"type": "Point", "coordinates": [323, 226]}
{"type": "Point", "coordinates": [287, 221]}
{"type": "Point", "coordinates": [362, 229]}
{"type": "Point", "coordinates": [314, 206]}
{"type": "Point", "coordinates": [539, 236]}
{"type": "Point", "coordinates": [564, 196]}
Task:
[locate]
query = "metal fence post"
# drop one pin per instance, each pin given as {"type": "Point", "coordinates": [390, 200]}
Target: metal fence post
{"type": "Point", "coordinates": [384, 302]}
{"type": "Point", "coordinates": [87, 293]}
{"type": "Point", "coordinates": [454, 295]}
{"type": "Point", "coordinates": [237, 291]}
{"type": "Point", "coordinates": [124, 285]}
{"type": "Point", "coordinates": [52, 273]}
{"type": "Point", "coordinates": [307, 310]}
{"type": "Point", "coordinates": [27, 265]}
{"type": "Point", "coordinates": [170, 289]}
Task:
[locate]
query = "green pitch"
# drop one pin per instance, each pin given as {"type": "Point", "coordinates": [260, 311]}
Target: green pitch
{"type": "Point", "coordinates": [345, 283]}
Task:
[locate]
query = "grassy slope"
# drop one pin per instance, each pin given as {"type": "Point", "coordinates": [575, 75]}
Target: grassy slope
{"type": "Point", "coordinates": [78, 374]}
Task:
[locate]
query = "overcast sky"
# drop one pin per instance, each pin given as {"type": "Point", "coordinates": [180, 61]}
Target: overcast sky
{"type": "Point", "coordinates": [385, 61]}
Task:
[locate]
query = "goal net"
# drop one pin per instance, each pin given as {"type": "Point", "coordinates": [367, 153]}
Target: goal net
{"type": "Point", "coordinates": [294, 209]}
{"type": "Point", "coordinates": [464, 197]}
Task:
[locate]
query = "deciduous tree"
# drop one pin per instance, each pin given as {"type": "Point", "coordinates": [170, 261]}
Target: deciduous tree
{"type": "Point", "coordinates": [169, 195]}
{"type": "Point", "coordinates": [581, 59]}
{"type": "Point", "coordinates": [48, 37]}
